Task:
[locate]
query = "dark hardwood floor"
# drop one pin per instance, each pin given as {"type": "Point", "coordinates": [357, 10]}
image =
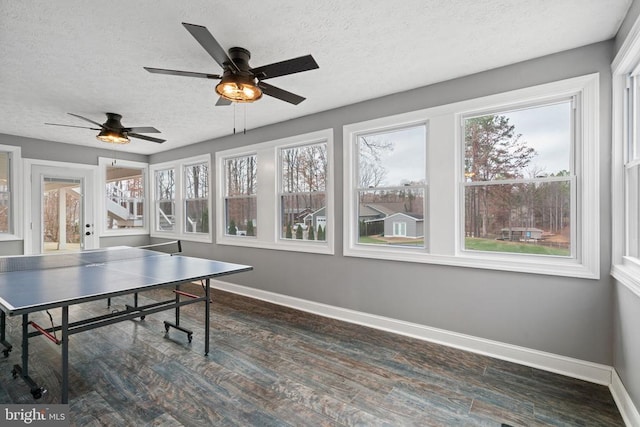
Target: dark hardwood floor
{"type": "Point", "coordinates": [274, 366]}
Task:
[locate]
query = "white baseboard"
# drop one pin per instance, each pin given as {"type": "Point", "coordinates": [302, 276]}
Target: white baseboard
{"type": "Point", "coordinates": [575, 368]}
{"type": "Point", "coordinates": [627, 409]}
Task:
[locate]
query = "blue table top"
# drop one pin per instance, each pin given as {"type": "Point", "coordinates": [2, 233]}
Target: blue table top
{"type": "Point", "coordinates": [29, 290]}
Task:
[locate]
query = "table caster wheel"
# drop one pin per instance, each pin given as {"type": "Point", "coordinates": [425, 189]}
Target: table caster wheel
{"type": "Point", "coordinates": [14, 373]}
{"type": "Point", "coordinates": [190, 337]}
{"type": "Point", "coordinates": [38, 392]}
{"type": "Point", "coordinates": [142, 317]}
{"type": "Point", "coordinates": [6, 352]}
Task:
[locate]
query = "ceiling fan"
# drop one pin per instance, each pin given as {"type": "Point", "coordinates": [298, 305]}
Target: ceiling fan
{"type": "Point", "coordinates": [113, 132]}
{"type": "Point", "coordinates": [239, 82]}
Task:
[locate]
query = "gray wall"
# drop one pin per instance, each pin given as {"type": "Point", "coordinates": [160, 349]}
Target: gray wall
{"type": "Point", "coordinates": [626, 309]}
{"type": "Point", "coordinates": [565, 316]}
{"type": "Point", "coordinates": [55, 151]}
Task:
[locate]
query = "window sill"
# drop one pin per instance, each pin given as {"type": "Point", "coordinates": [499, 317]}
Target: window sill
{"type": "Point", "coordinates": [205, 238]}
{"type": "Point", "coordinates": [628, 274]}
{"type": "Point", "coordinates": [9, 237]}
{"type": "Point", "coordinates": [282, 245]}
{"type": "Point", "coordinates": [546, 266]}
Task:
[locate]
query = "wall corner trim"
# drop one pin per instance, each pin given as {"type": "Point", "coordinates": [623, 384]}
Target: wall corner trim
{"type": "Point", "coordinates": [576, 368]}
{"type": "Point", "coordinates": [627, 409]}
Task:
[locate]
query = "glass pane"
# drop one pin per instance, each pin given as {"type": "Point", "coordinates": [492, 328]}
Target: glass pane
{"type": "Point", "coordinates": [241, 216]}
{"type": "Point", "coordinates": [303, 216]}
{"type": "Point", "coordinates": [391, 217]}
{"type": "Point", "coordinates": [633, 211]}
{"type": "Point", "coordinates": [527, 143]}
{"type": "Point", "coordinates": [165, 184]}
{"type": "Point", "coordinates": [5, 193]}
{"type": "Point", "coordinates": [533, 218]}
{"type": "Point", "coordinates": [304, 169]}
{"type": "Point", "coordinates": [197, 216]}
{"type": "Point", "coordinates": [165, 216]}
{"type": "Point", "coordinates": [124, 197]}
{"type": "Point", "coordinates": [241, 176]}
{"type": "Point", "coordinates": [196, 181]}
{"type": "Point", "coordinates": [392, 159]}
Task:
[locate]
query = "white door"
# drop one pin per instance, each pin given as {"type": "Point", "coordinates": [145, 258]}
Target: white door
{"type": "Point", "coordinates": [62, 210]}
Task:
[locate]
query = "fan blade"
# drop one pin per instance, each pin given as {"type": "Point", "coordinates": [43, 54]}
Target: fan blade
{"type": "Point", "coordinates": [290, 66]}
{"type": "Point", "coordinates": [146, 138]}
{"type": "Point", "coordinates": [84, 118]}
{"type": "Point", "coordinates": [182, 73]}
{"type": "Point", "coordinates": [222, 102]}
{"type": "Point", "coordinates": [211, 45]}
{"type": "Point", "coordinates": [144, 129]}
{"type": "Point", "coordinates": [71, 126]}
{"type": "Point", "coordinates": [282, 94]}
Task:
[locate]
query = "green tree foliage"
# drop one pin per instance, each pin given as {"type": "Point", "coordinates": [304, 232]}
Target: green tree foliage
{"type": "Point", "coordinates": [233, 230]}
{"type": "Point", "coordinates": [288, 232]}
{"type": "Point", "coordinates": [321, 231]}
{"type": "Point", "coordinates": [299, 232]}
{"type": "Point", "coordinates": [311, 235]}
{"type": "Point", "coordinates": [251, 231]}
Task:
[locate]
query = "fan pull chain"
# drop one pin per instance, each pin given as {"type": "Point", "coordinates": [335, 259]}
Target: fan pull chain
{"type": "Point", "coordinates": [234, 118]}
{"type": "Point", "coordinates": [244, 108]}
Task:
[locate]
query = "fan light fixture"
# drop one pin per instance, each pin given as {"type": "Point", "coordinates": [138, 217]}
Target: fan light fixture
{"type": "Point", "coordinates": [112, 137]}
{"type": "Point", "coordinates": [237, 88]}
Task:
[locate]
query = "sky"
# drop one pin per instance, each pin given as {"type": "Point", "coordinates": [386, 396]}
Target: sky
{"type": "Point", "coordinates": [546, 129]}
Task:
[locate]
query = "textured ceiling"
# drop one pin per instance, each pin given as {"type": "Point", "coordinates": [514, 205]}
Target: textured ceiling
{"type": "Point", "coordinates": [86, 57]}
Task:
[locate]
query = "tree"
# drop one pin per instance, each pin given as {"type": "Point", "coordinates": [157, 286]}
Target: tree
{"type": "Point", "coordinates": [311, 235]}
{"type": "Point", "coordinates": [288, 232]}
{"type": "Point", "coordinates": [233, 230]}
{"type": "Point", "coordinates": [250, 230]}
{"type": "Point", "coordinates": [299, 232]}
{"type": "Point", "coordinates": [370, 172]}
{"type": "Point", "coordinates": [492, 151]}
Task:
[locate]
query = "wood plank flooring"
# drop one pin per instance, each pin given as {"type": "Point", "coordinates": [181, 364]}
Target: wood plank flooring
{"type": "Point", "coordinates": [275, 366]}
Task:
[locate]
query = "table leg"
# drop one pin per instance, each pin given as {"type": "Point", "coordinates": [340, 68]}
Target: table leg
{"type": "Point", "coordinates": [207, 314]}
{"type": "Point", "coordinates": [65, 355]}
{"type": "Point", "coordinates": [3, 334]}
{"type": "Point", "coordinates": [25, 345]}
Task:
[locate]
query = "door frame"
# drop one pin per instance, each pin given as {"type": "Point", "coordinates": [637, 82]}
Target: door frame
{"type": "Point", "coordinates": [89, 174]}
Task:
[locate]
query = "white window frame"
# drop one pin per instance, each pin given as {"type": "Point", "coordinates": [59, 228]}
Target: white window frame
{"type": "Point", "coordinates": [281, 193]}
{"type": "Point", "coordinates": [185, 199]}
{"type": "Point", "coordinates": [179, 231]}
{"type": "Point", "coordinates": [267, 195]}
{"type": "Point", "coordinates": [103, 163]}
{"type": "Point", "coordinates": [16, 190]}
{"type": "Point", "coordinates": [625, 196]}
{"type": "Point", "coordinates": [445, 166]}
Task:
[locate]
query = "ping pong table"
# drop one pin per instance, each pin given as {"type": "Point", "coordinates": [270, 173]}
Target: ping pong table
{"type": "Point", "coordinates": [34, 283]}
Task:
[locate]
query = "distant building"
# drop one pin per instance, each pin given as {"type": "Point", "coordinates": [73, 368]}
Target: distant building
{"type": "Point", "coordinates": [521, 233]}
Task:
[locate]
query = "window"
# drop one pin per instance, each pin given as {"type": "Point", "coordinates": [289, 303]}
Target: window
{"type": "Point", "coordinates": [240, 174]}
{"type": "Point", "coordinates": [182, 199]}
{"type": "Point", "coordinates": [392, 186]}
{"type": "Point", "coordinates": [125, 186]}
{"type": "Point", "coordinates": [165, 200]}
{"type": "Point", "coordinates": [10, 224]}
{"type": "Point", "coordinates": [626, 164]}
{"type": "Point", "coordinates": [303, 177]}
{"type": "Point", "coordinates": [519, 179]}
{"type": "Point", "coordinates": [506, 182]}
{"type": "Point", "coordinates": [5, 193]}
{"type": "Point", "coordinates": [278, 194]}
{"type": "Point", "coordinates": [196, 203]}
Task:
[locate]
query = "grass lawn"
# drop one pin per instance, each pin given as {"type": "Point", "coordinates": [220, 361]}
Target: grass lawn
{"type": "Point", "coordinates": [476, 244]}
